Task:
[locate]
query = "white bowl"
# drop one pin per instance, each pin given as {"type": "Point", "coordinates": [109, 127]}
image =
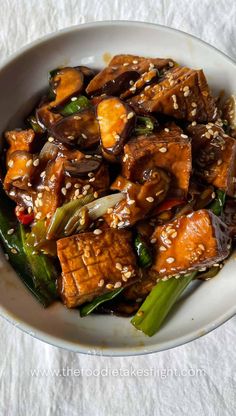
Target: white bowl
{"type": "Point", "coordinates": [22, 78]}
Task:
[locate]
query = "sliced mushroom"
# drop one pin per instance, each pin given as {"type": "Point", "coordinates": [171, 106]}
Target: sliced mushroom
{"type": "Point", "coordinates": [116, 121]}
{"type": "Point", "coordinates": [79, 130]}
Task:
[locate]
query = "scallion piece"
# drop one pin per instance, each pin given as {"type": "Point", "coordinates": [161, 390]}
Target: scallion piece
{"type": "Point", "coordinates": [143, 252]}
{"type": "Point", "coordinates": [144, 125]}
{"type": "Point", "coordinates": [159, 302]}
{"type": "Point", "coordinates": [217, 205]}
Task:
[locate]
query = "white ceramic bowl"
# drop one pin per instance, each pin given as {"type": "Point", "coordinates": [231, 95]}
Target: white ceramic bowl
{"type": "Point", "coordinates": [22, 78]}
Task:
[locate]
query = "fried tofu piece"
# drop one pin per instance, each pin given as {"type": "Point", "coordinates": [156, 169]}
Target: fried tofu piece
{"type": "Point", "coordinates": [168, 149]}
{"type": "Point", "coordinates": [19, 140]}
{"type": "Point", "coordinates": [139, 199]}
{"type": "Point", "coordinates": [20, 170]}
{"type": "Point", "coordinates": [214, 156]}
{"type": "Point", "coordinates": [122, 72]}
{"type": "Point", "coordinates": [93, 264]}
{"type": "Point", "coordinates": [190, 242]}
{"type": "Point", "coordinates": [183, 93]}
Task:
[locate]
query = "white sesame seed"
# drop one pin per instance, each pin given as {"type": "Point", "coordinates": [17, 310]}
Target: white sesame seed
{"type": "Point", "coordinates": [124, 278]}
{"type": "Point", "coordinates": [73, 98]}
{"type": "Point", "coordinates": [84, 136]}
{"type": "Point", "coordinates": [29, 210]}
{"type": "Point", "coordinates": [167, 130]}
{"type": "Point", "coordinates": [38, 216]}
{"type": "Point", "coordinates": [40, 195]}
{"type": "Point", "coordinates": [63, 191]}
{"type": "Point", "coordinates": [135, 61]}
{"type": "Point", "coordinates": [101, 283]}
{"type": "Point", "coordinates": [117, 285]}
{"type": "Point", "coordinates": [126, 157]}
{"type": "Point", "coordinates": [86, 187]}
{"type": "Point", "coordinates": [68, 185]}
{"type": "Point", "coordinates": [126, 64]}
{"type": "Point", "coordinates": [92, 179]}
{"type": "Point", "coordinates": [153, 241]}
{"type": "Point", "coordinates": [163, 150]}
{"type": "Point", "coordinates": [97, 231]}
{"type": "Point", "coordinates": [173, 97]}
{"type": "Point", "coordinates": [51, 139]}
{"type": "Point", "coordinates": [194, 112]}
{"type": "Point", "coordinates": [130, 115]}
{"type": "Point", "coordinates": [10, 163]}
{"type": "Point", "coordinates": [14, 251]}
{"type": "Point", "coordinates": [36, 162]}
{"type": "Point", "coordinates": [118, 266]}
{"type": "Point", "coordinates": [170, 260]}
{"type": "Point", "coordinates": [29, 163]}
{"type": "Point", "coordinates": [42, 174]}
{"type": "Point", "coordinates": [77, 117]}
{"type": "Point", "coordinates": [128, 274]}
{"type": "Point", "coordinates": [194, 123]}
{"type": "Point", "coordinates": [109, 210]}
{"type": "Point", "coordinates": [194, 105]}
{"type": "Point", "coordinates": [174, 234]}
{"type": "Point", "coordinates": [131, 202]}
{"type": "Point", "coordinates": [90, 174]}
{"type": "Point", "coordinates": [186, 93]}
{"type": "Point", "coordinates": [175, 106]}
{"type": "Point", "coordinates": [109, 286]}
{"type": "Point", "coordinates": [162, 270]}
{"type": "Point", "coordinates": [70, 137]}
{"type": "Point", "coordinates": [95, 194]}
{"type": "Point", "coordinates": [151, 66]}
{"type": "Point", "coordinates": [84, 192]}
{"type": "Point", "coordinates": [11, 231]}
{"type": "Point", "coordinates": [88, 156]}
{"type": "Point", "coordinates": [150, 199]}
{"type": "Point", "coordinates": [184, 136]}
{"type": "Point", "coordinates": [186, 88]}
{"type": "Point", "coordinates": [162, 248]}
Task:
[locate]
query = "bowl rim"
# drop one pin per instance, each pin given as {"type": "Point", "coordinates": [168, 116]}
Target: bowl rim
{"type": "Point", "coordinates": [56, 341]}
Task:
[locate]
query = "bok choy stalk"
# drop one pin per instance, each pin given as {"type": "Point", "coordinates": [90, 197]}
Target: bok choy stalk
{"type": "Point", "coordinates": [159, 302]}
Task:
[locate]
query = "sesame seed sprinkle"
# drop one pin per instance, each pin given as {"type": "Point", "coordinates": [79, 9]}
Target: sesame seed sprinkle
{"type": "Point", "coordinates": [170, 260]}
{"type": "Point", "coordinates": [117, 285]}
{"type": "Point", "coordinates": [101, 283]}
{"type": "Point", "coordinates": [11, 231]}
{"type": "Point", "coordinates": [64, 191]}
{"type": "Point", "coordinates": [150, 199]}
{"type": "Point", "coordinates": [97, 231]}
{"type": "Point", "coordinates": [14, 251]}
{"type": "Point", "coordinates": [51, 139]}
{"type": "Point", "coordinates": [10, 163]}
{"type": "Point", "coordinates": [36, 162]}
{"type": "Point", "coordinates": [163, 150]}
{"type": "Point", "coordinates": [153, 240]}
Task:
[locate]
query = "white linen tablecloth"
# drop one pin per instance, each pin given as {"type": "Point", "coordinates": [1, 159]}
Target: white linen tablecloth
{"type": "Point", "coordinates": [196, 379]}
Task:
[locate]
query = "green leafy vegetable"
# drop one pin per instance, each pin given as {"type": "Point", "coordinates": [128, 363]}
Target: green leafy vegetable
{"type": "Point", "coordinates": [143, 252]}
{"type": "Point", "coordinates": [89, 307]}
{"type": "Point", "coordinates": [11, 236]}
{"type": "Point", "coordinates": [43, 270]}
{"type": "Point", "coordinates": [217, 205]}
{"type": "Point", "coordinates": [80, 104]}
{"type": "Point", "coordinates": [144, 125]}
{"type": "Point", "coordinates": [159, 302]}
{"type": "Point", "coordinates": [35, 125]}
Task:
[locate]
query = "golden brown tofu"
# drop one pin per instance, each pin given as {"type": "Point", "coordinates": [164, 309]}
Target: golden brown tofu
{"type": "Point", "coordinates": [20, 170]}
{"type": "Point", "coordinates": [95, 263]}
{"type": "Point", "coordinates": [183, 93]}
{"type": "Point", "coordinates": [19, 140]}
{"type": "Point", "coordinates": [139, 199]}
{"type": "Point", "coordinates": [122, 72]}
{"type": "Point", "coordinates": [169, 149]}
{"type": "Point", "coordinates": [214, 156]}
{"type": "Point", "coordinates": [190, 242]}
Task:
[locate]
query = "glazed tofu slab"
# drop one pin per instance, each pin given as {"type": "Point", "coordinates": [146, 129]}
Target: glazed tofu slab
{"type": "Point", "coordinates": [95, 263]}
{"type": "Point", "coordinates": [193, 241]}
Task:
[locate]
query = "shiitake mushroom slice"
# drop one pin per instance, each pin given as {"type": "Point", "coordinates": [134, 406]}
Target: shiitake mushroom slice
{"type": "Point", "coordinates": [80, 130]}
{"type": "Point", "coordinates": [116, 121]}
